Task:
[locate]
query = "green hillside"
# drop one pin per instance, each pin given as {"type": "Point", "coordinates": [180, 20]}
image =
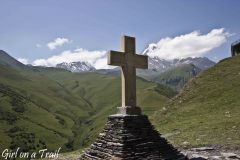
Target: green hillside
{"type": "Point", "coordinates": [207, 111]}
{"type": "Point", "coordinates": [48, 107]}
{"type": "Point", "coordinates": [177, 77]}
{"type": "Point", "coordinates": [36, 111]}
{"type": "Point", "coordinates": [174, 78]}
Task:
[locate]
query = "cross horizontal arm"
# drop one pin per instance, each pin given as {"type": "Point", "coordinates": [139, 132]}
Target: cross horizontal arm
{"type": "Point", "coordinates": [115, 58]}
{"type": "Point", "coordinates": [140, 61]}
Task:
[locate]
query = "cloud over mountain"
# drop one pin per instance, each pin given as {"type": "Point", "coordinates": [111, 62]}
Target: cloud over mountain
{"type": "Point", "coordinates": [96, 58]}
{"type": "Point", "coordinates": [57, 43]}
{"type": "Point", "coordinates": [193, 44]}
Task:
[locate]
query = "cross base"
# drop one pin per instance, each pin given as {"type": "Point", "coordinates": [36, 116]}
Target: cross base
{"type": "Point", "coordinates": [129, 110]}
{"type": "Point", "coordinates": [129, 137]}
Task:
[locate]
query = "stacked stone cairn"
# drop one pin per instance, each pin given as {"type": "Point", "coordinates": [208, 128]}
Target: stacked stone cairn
{"type": "Point", "coordinates": [130, 137]}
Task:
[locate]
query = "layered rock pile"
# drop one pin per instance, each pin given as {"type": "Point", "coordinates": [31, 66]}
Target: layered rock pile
{"type": "Point", "coordinates": [129, 137]}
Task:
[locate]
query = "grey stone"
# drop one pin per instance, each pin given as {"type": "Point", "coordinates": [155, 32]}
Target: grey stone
{"type": "Point", "coordinates": [230, 155]}
{"type": "Point", "coordinates": [199, 157]}
{"type": "Point", "coordinates": [203, 149]}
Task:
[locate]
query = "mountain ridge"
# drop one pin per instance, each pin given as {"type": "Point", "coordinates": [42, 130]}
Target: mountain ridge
{"type": "Point", "coordinates": [158, 69]}
{"type": "Point", "coordinates": [154, 63]}
{"type": "Point", "coordinates": [6, 59]}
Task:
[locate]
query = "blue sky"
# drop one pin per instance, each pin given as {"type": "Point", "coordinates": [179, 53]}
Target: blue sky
{"type": "Point", "coordinates": [26, 26]}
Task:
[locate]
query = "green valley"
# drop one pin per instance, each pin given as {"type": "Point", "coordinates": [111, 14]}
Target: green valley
{"type": "Point", "coordinates": [48, 107]}
{"type": "Point", "coordinates": [174, 78]}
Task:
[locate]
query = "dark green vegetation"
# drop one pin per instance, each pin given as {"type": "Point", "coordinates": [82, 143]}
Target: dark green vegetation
{"type": "Point", "coordinates": [207, 111]}
{"type": "Point", "coordinates": [174, 78]}
{"type": "Point", "coordinates": [52, 108]}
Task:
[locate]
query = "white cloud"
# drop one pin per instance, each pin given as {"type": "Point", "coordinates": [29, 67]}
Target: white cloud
{"type": "Point", "coordinates": [57, 42]}
{"type": "Point", "coordinates": [97, 58]}
{"type": "Point", "coordinates": [193, 44]}
{"type": "Point", "coordinates": [23, 60]}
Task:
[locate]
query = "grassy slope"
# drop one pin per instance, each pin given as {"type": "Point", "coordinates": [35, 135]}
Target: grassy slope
{"type": "Point", "coordinates": [208, 109]}
{"type": "Point", "coordinates": [51, 107]}
{"type": "Point", "coordinates": [41, 104]}
{"type": "Point", "coordinates": [177, 77]}
{"type": "Point", "coordinates": [174, 78]}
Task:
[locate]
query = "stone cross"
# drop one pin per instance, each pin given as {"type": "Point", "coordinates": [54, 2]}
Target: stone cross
{"type": "Point", "coordinates": [129, 61]}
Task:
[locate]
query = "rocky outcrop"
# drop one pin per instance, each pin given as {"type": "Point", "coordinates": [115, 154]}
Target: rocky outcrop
{"type": "Point", "coordinates": [129, 137]}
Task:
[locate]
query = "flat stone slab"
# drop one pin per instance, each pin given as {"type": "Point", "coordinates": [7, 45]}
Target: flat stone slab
{"type": "Point", "coordinates": [212, 153]}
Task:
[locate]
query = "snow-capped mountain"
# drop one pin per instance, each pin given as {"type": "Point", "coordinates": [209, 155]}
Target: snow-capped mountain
{"type": "Point", "coordinates": [156, 63]}
{"type": "Point", "coordinates": [151, 47]}
{"type": "Point", "coordinates": [76, 66]}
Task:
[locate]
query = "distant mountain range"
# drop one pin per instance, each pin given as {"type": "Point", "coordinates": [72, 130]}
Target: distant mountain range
{"type": "Point", "coordinates": [173, 73]}
{"type": "Point", "coordinates": [77, 66]}
{"type": "Point", "coordinates": [158, 64]}
{"type": "Point", "coordinates": [162, 64]}
{"type": "Point", "coordinates": [155, 64]}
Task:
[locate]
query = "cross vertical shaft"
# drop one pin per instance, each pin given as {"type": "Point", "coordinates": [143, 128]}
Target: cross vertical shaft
{"type": "Point", "coordinates": [128, 73]}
